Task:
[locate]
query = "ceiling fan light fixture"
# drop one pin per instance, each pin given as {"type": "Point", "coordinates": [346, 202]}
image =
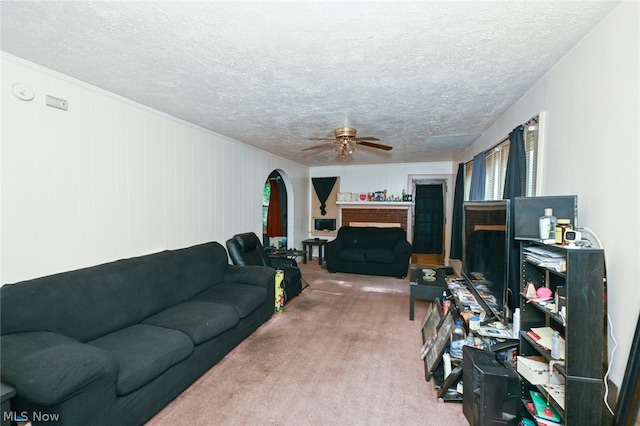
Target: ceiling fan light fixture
{"type": "Point", "coordinates": [346, 138]}
{"type": "Point", "coordinates": [345, 132]}
{"type": "Point", "coordinates": [350, 149]}
{"type": "Point", "coordinates": [344, 148]}
{"type": "Point", "coordinates": [345, 141]}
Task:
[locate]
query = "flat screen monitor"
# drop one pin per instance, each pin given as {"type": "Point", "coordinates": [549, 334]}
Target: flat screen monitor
{"type": "Point", "coordinates": [528, 210]}
{"type": "Point", "coordinates": [324, 224]}
{"type": "Point", "coordinates": [485, 255]}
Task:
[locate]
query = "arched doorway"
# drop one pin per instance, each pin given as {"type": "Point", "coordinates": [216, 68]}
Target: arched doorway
{"type": "Point", "coordinates": [275, 211]}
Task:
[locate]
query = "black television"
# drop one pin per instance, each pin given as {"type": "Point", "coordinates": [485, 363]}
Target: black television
{"type": "Point", "coordinates": [490, 389]}
{"type": "Point", "coordinates": [485, 255]}
{"type": "Point", "coordinates": [324, 224]}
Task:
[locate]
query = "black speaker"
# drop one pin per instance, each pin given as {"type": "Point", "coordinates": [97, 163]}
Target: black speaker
{"type": "Point", "coordinates": [491, 389]}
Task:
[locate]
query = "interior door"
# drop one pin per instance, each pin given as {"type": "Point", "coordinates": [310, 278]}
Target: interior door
{"type": "Point", "coordinates": [429, 220]}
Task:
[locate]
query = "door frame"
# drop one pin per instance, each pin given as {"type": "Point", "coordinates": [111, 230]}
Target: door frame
{"type": "Point", "coordinates": [434, 179]}
{"type": "Point", "coordinates": [286, 180]}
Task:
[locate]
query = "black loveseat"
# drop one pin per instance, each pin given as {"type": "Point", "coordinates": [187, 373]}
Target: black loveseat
{"type": "Point", "coordinates": [369, 250]}
{"type": "Point", "coordinates": [114, 343]}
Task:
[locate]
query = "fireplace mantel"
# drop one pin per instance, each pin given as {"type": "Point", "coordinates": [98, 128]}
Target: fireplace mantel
{"type": "Point", "coordinates": [374, 204]}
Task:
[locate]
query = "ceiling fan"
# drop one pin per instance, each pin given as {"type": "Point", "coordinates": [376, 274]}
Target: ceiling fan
{"type": "Point", "coordinates": [345, 141]}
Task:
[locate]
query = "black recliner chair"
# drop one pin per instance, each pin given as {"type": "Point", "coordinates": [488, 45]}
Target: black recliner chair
{"type": "Point", "coordinates": [246, 249]}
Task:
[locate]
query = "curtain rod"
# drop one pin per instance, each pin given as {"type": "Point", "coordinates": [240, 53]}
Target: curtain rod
{"type": "Point", "coordinates": [533, 121]}
{"type": "Point", "coordinates": [488, 150]}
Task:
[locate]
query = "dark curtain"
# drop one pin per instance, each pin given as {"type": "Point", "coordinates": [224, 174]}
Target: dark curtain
{"type": "Point", "coordinates": [456, 223]}
{"type": "Point", "coordinates": [478, 177]}
{"type": "Point", "coordinates": [427, 233]}
{"type": "Point", "coordinates": [515, 178]}
{"type": "Point", "coordinates": [274, 217]}
{"type": "Point", "coordinates": [283, 205]}
{"type": "Point", "coordinates": [323, 187]}
{"type": "Point", "coordinates": [514, 186]}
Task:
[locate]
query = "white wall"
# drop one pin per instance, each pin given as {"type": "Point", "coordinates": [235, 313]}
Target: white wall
{"type": "Point", "coordinates": [392, 177]}
{"type": "Point", "coordinates": [111, 179]}
{"type": "Point", "coordinates": [592, 137]}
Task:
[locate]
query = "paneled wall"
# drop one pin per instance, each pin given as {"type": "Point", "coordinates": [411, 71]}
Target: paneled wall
{"type": "Point", "coordinates": [110, 179]}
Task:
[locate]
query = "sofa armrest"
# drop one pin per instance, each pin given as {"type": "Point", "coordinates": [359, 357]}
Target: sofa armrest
{"type": "Point", "coordinates": [279, 262]}
{"type": "Point", "coordinates": [403, 248]}
{"type": "Point", "coordinates": [48, 368]}
{"type": "Point", "coordinates": [262, 276]}
{"type": "Point", "coordinates": [333, 247]}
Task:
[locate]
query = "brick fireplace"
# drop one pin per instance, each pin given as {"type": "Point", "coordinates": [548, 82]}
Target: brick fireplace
{"type": "Point", "coordinates": [374, 217]}
{"type": "Point", "coordinates": [381, 214]}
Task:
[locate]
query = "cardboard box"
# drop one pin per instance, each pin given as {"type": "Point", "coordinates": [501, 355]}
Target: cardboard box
{"type": "Point", "coordinates": [536, 370]}
{"type": "Point", "coordinates": [533, 368]}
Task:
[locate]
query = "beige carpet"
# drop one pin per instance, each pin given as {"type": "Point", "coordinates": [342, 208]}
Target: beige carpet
{"type": "Point", "coordinates": [343, 353]}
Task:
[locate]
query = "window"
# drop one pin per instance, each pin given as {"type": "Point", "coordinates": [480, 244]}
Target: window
{"type": "Point", "coordinates": [496, 164]}
{"type": "Point", "coordinates": [531, 152]}
{"type": "Point", "coordinates": [468, 170]}
{"type": "Point", "coordinates": [496, 171]}
{"type": "Point", "coordinates": [266, 195]}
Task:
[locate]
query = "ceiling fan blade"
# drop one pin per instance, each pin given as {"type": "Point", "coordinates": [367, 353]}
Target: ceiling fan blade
{"type": "Point", "coordinates": [375, 145]}
{"type": "Point", "coordinates": [367, 138]}
{"type": "Point", "coordinates": [323, 146]}
{"type": "Point", "coordinates": [322, 139]}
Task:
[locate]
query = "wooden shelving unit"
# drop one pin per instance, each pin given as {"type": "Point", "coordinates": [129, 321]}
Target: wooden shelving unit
{"type": "Point", "coordinates": [583, 328]}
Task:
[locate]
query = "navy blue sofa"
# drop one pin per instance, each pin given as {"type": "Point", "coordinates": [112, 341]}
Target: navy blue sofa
{"type": "Point", "coordinates": [114, 343]}
{"type": "Point", "coordinates": [369, 250]}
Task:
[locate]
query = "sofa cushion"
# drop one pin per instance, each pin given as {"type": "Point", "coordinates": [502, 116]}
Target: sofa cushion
{"type": "Point", "coordinates": [380, 256]}
{"type": "Point", "coordinates": [91, 302]}
{"type": "Point", "coordinates": [242, 297]}
{"type": "Point", "coordinates": [48, 368]}
{"type": "Point", "coordinates": [352, 254]}
{"type": "Point", "coordinates": [143, 352]}
{"type": "Point", "coordinates": [203, 266]}
{"type": "Point", "coordinates": [200, 321]}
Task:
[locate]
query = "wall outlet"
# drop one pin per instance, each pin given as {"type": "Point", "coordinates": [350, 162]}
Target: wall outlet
{"type": "Point", "coordinates": [52, 101]}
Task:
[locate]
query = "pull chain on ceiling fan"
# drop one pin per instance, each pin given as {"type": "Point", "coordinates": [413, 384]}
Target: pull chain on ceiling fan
{"type": "Point", "coordinates": [345, 139]}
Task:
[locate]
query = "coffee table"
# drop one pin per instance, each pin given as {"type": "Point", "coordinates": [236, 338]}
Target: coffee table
{"type": "Point", "coordinates": [423, 290]}
{"type": "Point", "coordinates": [290, 254]}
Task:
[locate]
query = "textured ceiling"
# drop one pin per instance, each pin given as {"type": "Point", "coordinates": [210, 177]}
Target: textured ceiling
{"type": "Point", "coordinates": [427, 78]}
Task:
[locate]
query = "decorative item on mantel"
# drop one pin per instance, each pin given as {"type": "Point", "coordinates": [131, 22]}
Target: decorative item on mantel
{"type": "Point", "coordinates": [378, 196]}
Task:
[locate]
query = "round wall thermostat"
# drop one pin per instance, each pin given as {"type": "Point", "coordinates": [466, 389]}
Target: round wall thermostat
{"type": "Point", "coordinates": [22, 91]}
